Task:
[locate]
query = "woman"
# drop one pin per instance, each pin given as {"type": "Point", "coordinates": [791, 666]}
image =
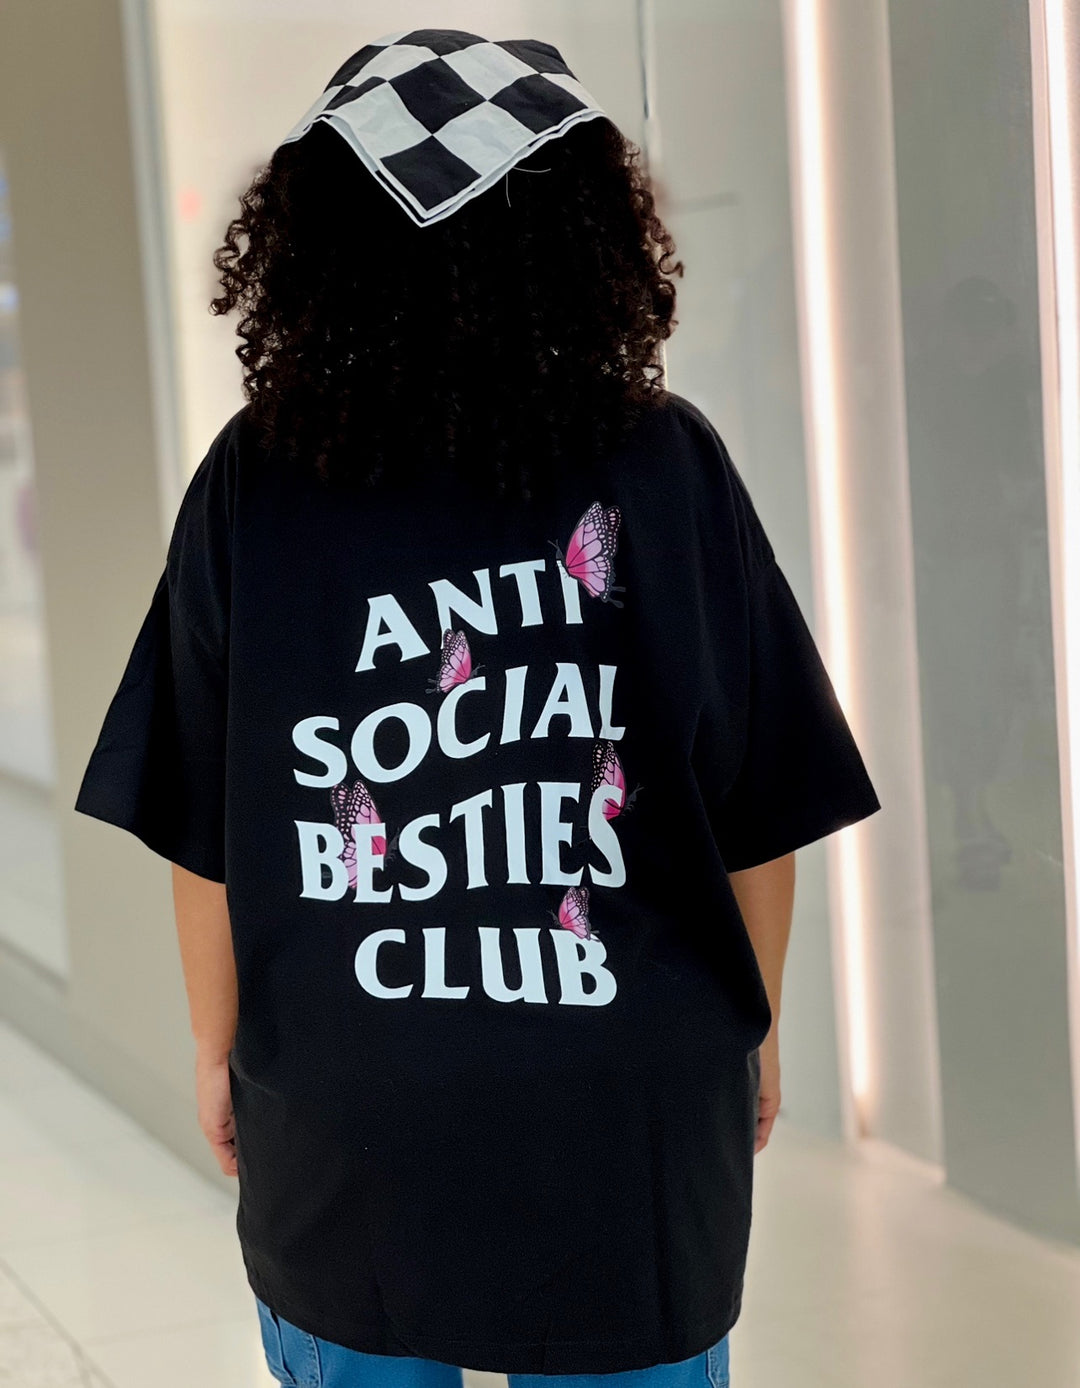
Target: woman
{"type": "Point", "coordinates": [480, 725]}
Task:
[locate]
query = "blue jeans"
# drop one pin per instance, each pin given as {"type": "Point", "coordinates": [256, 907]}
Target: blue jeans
{"type": "Point", "coordinates": [300, 1360]}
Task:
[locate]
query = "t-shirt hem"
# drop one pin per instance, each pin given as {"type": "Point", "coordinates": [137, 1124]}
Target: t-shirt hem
{"type": "Point", "coordinates": [548, 1356]}
{"type": "Point", "coordinates": [157, 840]}
{"type": "Point", "coordinates": [801, 835]}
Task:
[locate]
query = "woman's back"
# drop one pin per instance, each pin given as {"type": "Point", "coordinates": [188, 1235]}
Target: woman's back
{"type": "Point", "coordinates": [474, 750]}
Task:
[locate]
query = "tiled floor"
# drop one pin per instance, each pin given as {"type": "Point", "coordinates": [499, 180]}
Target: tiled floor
{"type": "Point", "coordinates": [119, 1267]}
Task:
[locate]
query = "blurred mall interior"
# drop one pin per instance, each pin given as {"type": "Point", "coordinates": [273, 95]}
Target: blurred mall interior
{"type": "Point", "coordinates": [876, 204]}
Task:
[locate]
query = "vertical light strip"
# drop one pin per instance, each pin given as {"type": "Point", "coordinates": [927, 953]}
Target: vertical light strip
{"type": "Point", "coordinates": [819, 287]}
{"type": "Point", "coordinates": [141, 70]}
{"type": "Point", "coordinates": [1056, 133]}
{"type": "Point", "coordinates": [646, 36]}
{"type": "Point", "coordinates": [650, 120]}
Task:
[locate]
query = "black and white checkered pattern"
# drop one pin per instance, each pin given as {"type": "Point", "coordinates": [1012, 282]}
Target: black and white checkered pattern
{"type": "Point", "coordinates": [438, 115]}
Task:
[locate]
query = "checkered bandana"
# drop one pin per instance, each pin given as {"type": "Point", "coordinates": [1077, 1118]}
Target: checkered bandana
{"type": "Point", "coordinates": [438, 115]}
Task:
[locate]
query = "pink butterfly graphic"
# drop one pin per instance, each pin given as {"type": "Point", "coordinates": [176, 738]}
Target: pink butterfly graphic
{"type": "Point", "coordinates": [608, 771]}
{"type": "Point", "coordinates": [455, 663]}
{"type": "Point", "coordinates": [574, 914]}
{"type": "Point", "coordinates": [354, 805]}
{"type": "Point", "coordinates": [590, 554]}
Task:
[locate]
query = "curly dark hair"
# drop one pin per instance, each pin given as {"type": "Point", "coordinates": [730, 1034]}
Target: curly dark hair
{"type": "Point", "coordinates": [510, 340]}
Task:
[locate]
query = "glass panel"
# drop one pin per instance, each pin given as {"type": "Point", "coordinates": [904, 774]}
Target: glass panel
{"type": "Point", "coordinates": [965, 182]}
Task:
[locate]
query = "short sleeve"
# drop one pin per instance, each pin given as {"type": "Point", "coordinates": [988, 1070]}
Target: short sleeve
{"type": "Point", "coordinates": [801, 774]}
{"type": "Point", "coordinates": [158, 768]}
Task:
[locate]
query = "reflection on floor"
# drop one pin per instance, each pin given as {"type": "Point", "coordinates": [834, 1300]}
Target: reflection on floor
{"type": "Point", "coordinates": [119, 1266]}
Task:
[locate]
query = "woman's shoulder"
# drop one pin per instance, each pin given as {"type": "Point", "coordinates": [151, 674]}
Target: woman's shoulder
{"type": "Point", "coordinates": [686, 414]}
{"type": "Point", "coordinates": [206, 512]}
{"type": "Point", "coordinates": [678, 456]}
{"type": "Point", "coordinates": [686, 434]}
{"type": "Point", "coordinates": [671, 436]}
{"type": "Point", "coordinates": [679, 411]}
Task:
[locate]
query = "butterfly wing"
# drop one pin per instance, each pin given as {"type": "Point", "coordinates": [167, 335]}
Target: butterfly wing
{"type": "Point", "coordinates": [345, 799]}
{"type": "Point", "coordinates": [458, 659]}
{"type": "Point", "coordinates": [354, 805]}
{"type": "Point", "coordinates": [574, 912]}
{"type": "Point", "coordinates": [590, 554]}
{"type": "Point", "coordinates": [608, 770]}
{"type": "Point", "coordinates": [366, 813]}
{"type": "Point", "coordinates": [455, 661]}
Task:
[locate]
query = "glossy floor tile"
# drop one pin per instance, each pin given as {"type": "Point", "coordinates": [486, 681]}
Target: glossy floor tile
{"type": "Point", "coordinates": [119, 1266]}
{"type": "Point", "coordinates": [35, 1351]}
{"type": "Point", "coordinates": [864, 1270]}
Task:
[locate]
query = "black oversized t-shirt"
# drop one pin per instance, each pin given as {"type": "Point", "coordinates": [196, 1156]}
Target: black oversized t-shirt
{"type": "Point", "coordinates": [474, 773]}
